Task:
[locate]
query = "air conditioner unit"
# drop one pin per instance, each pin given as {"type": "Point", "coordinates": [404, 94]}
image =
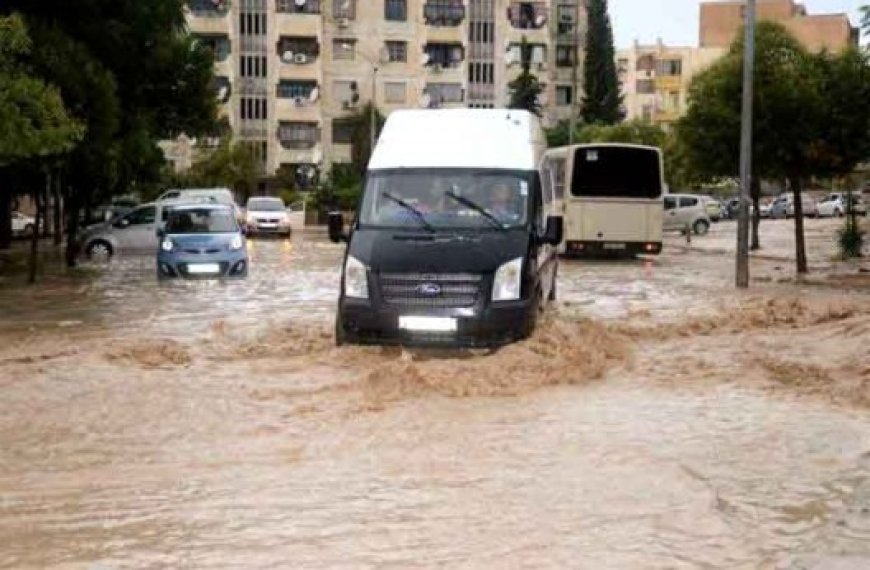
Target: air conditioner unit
{"type": "Point", "coordinates": [300, 58]}
{"type": "Point", "coordinates": [342, 22]}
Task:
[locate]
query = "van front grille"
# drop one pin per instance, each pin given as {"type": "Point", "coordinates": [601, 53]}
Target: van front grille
{"type": "Point", "coordinates": [441, 291]}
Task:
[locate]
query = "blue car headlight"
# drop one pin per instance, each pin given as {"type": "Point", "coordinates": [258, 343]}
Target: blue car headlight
{"type": "Point", "coordinates": [167, 245]}
{"type": "Point", "coordinates": [236, 243]}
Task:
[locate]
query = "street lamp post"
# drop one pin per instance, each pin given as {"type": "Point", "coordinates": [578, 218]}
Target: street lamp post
{"type": "Point", "coordinates": [742, 262]}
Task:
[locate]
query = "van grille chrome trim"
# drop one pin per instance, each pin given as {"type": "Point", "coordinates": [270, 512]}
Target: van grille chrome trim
{"type": "Point", "coordinates": [419, 290]}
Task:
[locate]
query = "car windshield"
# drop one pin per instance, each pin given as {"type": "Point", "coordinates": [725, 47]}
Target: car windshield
{"type": "Point", "coordinates": [265, 205]}
{"type": "Point", "coordinates": [447, 199]}
{"type": "Point", "coordinates": [200, 221]}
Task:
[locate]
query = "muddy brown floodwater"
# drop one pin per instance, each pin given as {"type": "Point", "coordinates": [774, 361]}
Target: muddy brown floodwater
{"type": "Point", "coordinates": [655, 420]}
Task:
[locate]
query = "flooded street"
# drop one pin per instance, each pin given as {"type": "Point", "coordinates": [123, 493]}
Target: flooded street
{"type": "Point", "coordinates": [657, 419]}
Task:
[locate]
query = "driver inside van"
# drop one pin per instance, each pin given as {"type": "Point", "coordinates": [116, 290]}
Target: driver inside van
{"type": "Point", "coordinates": [502, 202]}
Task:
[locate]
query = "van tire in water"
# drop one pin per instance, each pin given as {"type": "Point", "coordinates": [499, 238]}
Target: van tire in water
{"type": "Point", "coordinates": [701, 227]}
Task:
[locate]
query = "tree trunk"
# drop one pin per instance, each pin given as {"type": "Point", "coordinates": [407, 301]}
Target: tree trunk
{"type": "Point", "coordinates": [39, 196]}
{"type": "Point", "coordinates": [799, 241]}
{"type": "Point", "coordinates": [755, 191]}
{"type": "Point", "coordinates": [5, 217]}
{"type": "Point", "coordinates": [57, 200]}
{"type": "Point", "coordinates": [72, 224]}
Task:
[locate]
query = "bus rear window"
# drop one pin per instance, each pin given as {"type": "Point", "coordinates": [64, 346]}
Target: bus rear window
{"type": "Point", "coordinates": [616, 172]}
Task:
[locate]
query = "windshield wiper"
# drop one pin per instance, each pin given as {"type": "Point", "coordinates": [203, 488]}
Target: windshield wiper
{"type": "Point", "coordinates": [417, 213]}
{"type": "Point", "coordinates": [477, 208]}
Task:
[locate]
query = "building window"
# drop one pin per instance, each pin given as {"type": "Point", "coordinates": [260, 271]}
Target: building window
{"type": "Point", "coordinates": [342, 91]}
{"type": "Point", "coordinates": [293, 7]}
{"type": "Point", "coordinates": [445, 93]}
{"type": "Point", "coordinates": [566, 56]}
{"type": "Point", "coordinates": [566, 15]}
{"type": "Point", "coordinates": [298, 135]}
{"type": "Point", "coordinates": [253, 109]}
{"type": "Point", "coordinates": [444, 12]}
{"type": "Point", "coordinates": [444, 55]}
{"type": "Point", "coordinates": [670, 67]}
{"type": "Point", "coordinates": [252, 66]}
{"type": "Point", "coordinates": [289, 89]}
{"type": "Point", "coordinates": [395, 92]}
{"type": "Point", "coordinates": [342, 131]}
{"type": "Point", "coordinates": [396, 10]}
{"type": "Point", "coordinates": [397, 51]}
{"type": "Point", "coordinates": [344, 9]}
{"type": "Point", "coordinates": [645, 86]}
{"type": "Point", "coordinates": [528, 15]}
{"type": "Point", "coordinates": [343, 49]}
{"type": "Point", "coordinates": [646, 63]}
{"type": "Point", "coordinates": [564, 95]}
{"type": "Point", "coordinates": [537, 52]}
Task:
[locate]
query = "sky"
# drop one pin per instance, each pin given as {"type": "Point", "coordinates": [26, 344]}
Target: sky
{"type": "Point", "coordinates": [676, 21]}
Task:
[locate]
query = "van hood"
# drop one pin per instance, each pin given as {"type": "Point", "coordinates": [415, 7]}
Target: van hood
{"type": "Point", "coordinates": [391, 251]}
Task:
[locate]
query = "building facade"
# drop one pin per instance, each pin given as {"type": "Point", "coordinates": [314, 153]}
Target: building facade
{"type": "Point", "coordinates": [655, 79]}
{"type": "Point", "coordinates": [289, 71]}
{"type": "Point", "coordinates": [722, 21]}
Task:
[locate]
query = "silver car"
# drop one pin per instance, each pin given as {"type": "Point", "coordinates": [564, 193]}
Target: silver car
{"type": "Point", "coordinates": [134, 232]}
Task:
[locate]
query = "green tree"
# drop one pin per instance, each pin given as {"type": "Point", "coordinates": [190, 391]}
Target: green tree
{"type": "Point", "coordinates": [234, 165]}
{"type": "Point", "coordinates": [36, 125]}
{"type": "Point", "coordinates": [526, 90]}
{"type": "Point", "coordinates": [631, 132]}
{"type": "Point", "coordinates": [128, 69]}
{"type": "Point", "coordinates": [787, 114]}
{"type": "Point", "coordinates": [359, 123]}
{"type": "Point", "coordinates": [603, 101]}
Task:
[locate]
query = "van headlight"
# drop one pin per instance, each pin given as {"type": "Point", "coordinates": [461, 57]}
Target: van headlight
{"type": "Point", "coordinates": [236, 243]}
{"type": "Point", "coordinates": [508, 281]}
{"type": "Point", "coordinates": [356, 284]}
{"type": "Point", "coordinates": [166, 245]}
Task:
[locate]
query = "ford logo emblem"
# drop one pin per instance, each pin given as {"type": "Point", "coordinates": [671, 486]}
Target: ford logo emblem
{"type": "Point", "coordinates": [429, 289]}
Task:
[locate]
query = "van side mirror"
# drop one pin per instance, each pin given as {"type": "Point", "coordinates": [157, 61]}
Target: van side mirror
{"type": "Point", "coordinates": [161, 233]}
{"type": "Point", "coordinates": [335, 223]}
{"type": "Point", "coordinates": [122, 223]}
{"type": "Point", "coordinates": [553, 233]}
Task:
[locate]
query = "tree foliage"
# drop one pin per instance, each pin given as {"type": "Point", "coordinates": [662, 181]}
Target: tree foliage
{"type": "Point", "coordinates": [232, 165]}
{"type": "Point", "coordinates": [526, 90]}
{"type": "Point", "coordinates": [603, 100]}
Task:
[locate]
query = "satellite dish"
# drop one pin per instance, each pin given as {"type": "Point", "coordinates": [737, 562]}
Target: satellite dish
{"type": "Point", "coordinates": [300, 3]}
{"type": "Point", "coordinates": [424, 59]}
{"type": "Point", "coordinates": [315, 93]}
{"type": "Point", "coordinates": [287, 56]}
{"type": "Point", "coordinates": [222, 93]}
{"type": "Point", "coordinates": [425, 101]}
{"type": "Point", "coordinates": [540, 20]}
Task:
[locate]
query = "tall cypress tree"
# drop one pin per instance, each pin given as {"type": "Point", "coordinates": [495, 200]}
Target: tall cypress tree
{"type": "Point", "coordinates": [526, 89]}
{"type": "Point", "coordinates": [603, 101]}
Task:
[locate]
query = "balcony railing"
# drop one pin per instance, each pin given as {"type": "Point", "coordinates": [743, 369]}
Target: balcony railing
{"type": "Point", "coordinates": [219, 45]}
{"type": "Point", "coordinates": [298, 50]}
{"type": "Point", "coordinates": [444, 55]}
{"type": "Point", "coordinates": [209, 8]}
{"type": "Point", "coordinates": [298, 136]}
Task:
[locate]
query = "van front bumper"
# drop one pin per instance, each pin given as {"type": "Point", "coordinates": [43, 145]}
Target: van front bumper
{"type": "Point", "coordinates": [497, 324]}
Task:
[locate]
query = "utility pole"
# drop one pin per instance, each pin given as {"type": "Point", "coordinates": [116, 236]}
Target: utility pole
{"type": "Point", "coordinates": [742, 269]}
{"type": "Point", "coordinates": [575, 93]}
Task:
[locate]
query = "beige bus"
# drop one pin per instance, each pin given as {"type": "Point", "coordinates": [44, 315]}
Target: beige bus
{"type": "Point", "coordinates": [612, 197]}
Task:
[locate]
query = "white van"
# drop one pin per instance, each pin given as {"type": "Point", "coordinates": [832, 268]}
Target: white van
{"type": "Point", "coordinates": [455, 238]}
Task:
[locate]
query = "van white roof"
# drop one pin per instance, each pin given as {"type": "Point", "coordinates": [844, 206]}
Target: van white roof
{"type": "Point", "coordinates": [460, 138]}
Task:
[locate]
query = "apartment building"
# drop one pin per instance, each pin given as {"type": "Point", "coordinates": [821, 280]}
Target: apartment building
{"type": "Point", "coordinates": [290, 71]}
{"type": "Point", "coordinates": [655, 79]}
{"type": "Point", "coordinates": [722, 21]}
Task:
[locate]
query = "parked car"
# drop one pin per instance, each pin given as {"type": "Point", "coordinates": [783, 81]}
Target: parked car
{"type": "Point", "coordinates": [202, 241]}
{"type": "Point", "coordinates": [22, 225]}
{"type": "Point", "coordinates": [836, 205]}
{"type": "Point", "coordinates": [685, 211]}
{"type": "Point", "coordinates": [134, 232]}
{"type": "Point", "coordinates": [784, 207]}
{"type": "Point", "coordinates": [764, 209]}
{"type": "Point", "coordinates": [713, 207]}
{"type": "Point", "coordinates": [267, 215]}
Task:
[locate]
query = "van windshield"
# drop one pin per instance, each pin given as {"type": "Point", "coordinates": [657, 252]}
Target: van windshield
{"type": "Point", "coordinates": [201, 221]}
{"type": "Point", "coordinates": [616, 172]}
{"type": "Point", "coordinates": [446, 199]}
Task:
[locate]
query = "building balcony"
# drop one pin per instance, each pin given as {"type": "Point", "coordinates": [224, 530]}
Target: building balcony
{"type": "Point", "coordinates": [444, 13]}
{"type": "Point", "coordinates": [298, 50]}
{"type": "Point", "coordinates": [669, 82]}
{"type": "Point", "coordinates": [308, 155]}
{"type": "Point", "coordinates": [445, 35]}
{"type": "Point", "coordinates": [298, 109]}
{"type": "Point", "coordinates": [291, 71]}
{"type": "Point", "coordinates": [208, 16]}
{"type": "Point", "coordinates": [444, 56]}
{"type": "Point", "coordinates": [298, 24]}
{"type": "Point", "coordinates": [666, 115]}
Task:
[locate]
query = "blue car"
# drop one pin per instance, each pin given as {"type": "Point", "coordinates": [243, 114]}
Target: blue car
{"type": "Point", "coordinates": [201, 241]}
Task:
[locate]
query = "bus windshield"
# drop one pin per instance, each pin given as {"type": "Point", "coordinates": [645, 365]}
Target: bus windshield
{"type": "Point", "coordinates": [616, 172]}
{"type": "Point", "coordinates": [446, 199]}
